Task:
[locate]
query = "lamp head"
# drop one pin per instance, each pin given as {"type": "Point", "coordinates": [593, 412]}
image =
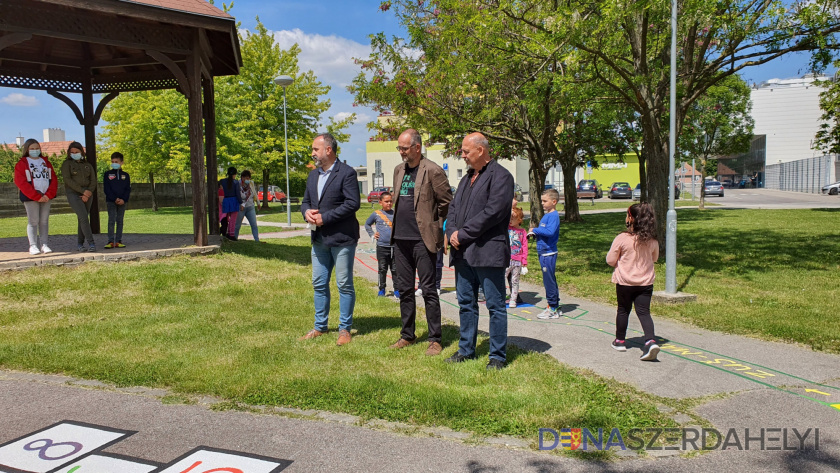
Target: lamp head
{"type": "Point", "coordinates": [283, 81]}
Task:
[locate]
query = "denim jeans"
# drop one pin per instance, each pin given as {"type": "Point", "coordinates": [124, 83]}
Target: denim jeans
{"type": "Point", "coordinates": [548, 264]}
{"type": "Point", "coordinates": [324, 259]}
{"type": "Point", "coordinates": [492, 280]}
{"type": "Point", "coordinates": [251, 213]}
{"type": "Point", "coordinates": [115, 218]}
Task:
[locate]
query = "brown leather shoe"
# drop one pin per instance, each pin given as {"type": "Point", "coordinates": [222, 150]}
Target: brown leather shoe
{"type": "Point", "coordinates": [402, 343]}
{"type": "Point", "coordinates": [434, 349]}
{"type": "Point", "coordinates": [312, 334]}
{"type": "Point", "coordinates": [343, 338]}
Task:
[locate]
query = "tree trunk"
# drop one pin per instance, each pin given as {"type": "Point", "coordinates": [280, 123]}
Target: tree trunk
{"type": "Point", "coordinates": [643, 194]}
{"type": "Point", "coordinates": [154, 195]}
{"type": "Point", "coordinates": [702, 205]}
{"type": "Point", "coordinates": [536, 181]}
{"type": "Point", "coordinates": [570, 190]}
{"type": "Point", "coordinates": [656, 150]}
{"type": "Point", "coordinates": [265, 189]}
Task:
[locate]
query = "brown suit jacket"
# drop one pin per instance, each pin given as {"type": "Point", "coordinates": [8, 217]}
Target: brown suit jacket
{"type": "Point", "coordinates": [432, 195]}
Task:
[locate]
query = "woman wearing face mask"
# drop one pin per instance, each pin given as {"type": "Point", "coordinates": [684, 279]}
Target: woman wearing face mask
{"type": "Point", "coordinates": [35, 178]}
{"type": "Point", "coordinates": [79, 183]}
{"type": "Point", "coordinates": [248, 207]}
{"type": "Point", "coordinates": [232, 201]}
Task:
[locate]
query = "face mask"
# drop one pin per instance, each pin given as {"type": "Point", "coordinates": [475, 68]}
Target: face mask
{"type": "Point", "coordinates": [34, 153]}
{"type": "Point", "coordinates": [246, 181]}
{"type": "Point", "coordinates": [115, 165]}
{"type": "Point", "coordinates": [76, 156]}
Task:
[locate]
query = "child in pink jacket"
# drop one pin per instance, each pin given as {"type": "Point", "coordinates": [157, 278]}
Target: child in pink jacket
{"type": "Point", "coordinates": [518, 253]}
{"type": "Point", "coordinates": [633, 254]}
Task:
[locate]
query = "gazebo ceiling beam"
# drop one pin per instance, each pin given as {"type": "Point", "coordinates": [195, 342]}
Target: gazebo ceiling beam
{"type": "Point", "coordinates": [174, 69]}
{"type": "Point", "coordinates": [70, 103]}
{"type": "Point", "coordinates": [110, 39]}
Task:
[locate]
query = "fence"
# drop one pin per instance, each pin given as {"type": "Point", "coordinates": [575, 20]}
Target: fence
{"type": "Point", "coordinates": [166, 195]}
{"type": "Point", "coordinates": [805, 175]}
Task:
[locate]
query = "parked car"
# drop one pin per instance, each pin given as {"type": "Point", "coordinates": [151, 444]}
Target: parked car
{"type": "Point", "coordinates": [620, 190]}
{"type": "Point", "coordinates": [728, 183]}
{"type": "Point", "coordinates": [831, 189]}
{"type": "Point", "coordinates": [590, 185]}
{"type": "Point", "coordinates": [713, 188]}
{"type": "Point", "coordinates": [376, 192]}
{"type": "Point", "coordinates": [637, 192]}
{"type": "Point", "coordinates": [274, 194]}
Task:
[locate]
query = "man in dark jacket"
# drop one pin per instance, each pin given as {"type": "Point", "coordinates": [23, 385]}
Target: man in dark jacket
{"type": "Point", "coordinates": [477, 230]}
{"type": "Point", "coordinates": [117, 185]}
{"type": "Point", "coordinates": [422, 196]}
{"type": "Point", "coordinates": [329, 205]}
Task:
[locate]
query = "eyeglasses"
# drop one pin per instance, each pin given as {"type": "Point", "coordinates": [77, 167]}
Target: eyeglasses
{"type": "Point", "coordinates": [403, 149]}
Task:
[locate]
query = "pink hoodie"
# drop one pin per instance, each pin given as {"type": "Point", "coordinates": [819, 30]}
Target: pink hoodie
{"type": "Point", "coordinates": [632, 260]}
{"type": "Point", "coordinates": [518, 244]}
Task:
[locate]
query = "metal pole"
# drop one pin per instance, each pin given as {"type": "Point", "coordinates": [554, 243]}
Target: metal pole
{"type": "Point", "coordinates": [671, 220]}
{"type": "Point", "coordinates": [286, 149]}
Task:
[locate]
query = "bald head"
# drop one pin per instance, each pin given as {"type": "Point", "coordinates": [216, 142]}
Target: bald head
{"type": "Point", "coordinates": [475, 149]}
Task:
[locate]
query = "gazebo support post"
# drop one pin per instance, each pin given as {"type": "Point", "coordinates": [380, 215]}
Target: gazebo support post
{"type": "Point", "coordinates": [196, 116]}
{"type": "Point", "coordinates": [89, 117]}
{"type": "Point", "coordinates": [212, 164]}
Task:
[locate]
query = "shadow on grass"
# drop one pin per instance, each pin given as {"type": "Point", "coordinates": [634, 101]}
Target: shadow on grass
{"type": "Point", "coordinates": [294, 250]}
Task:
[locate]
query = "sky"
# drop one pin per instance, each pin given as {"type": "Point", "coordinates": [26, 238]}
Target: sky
{"type": "Point", "coordinates": [330, 33]}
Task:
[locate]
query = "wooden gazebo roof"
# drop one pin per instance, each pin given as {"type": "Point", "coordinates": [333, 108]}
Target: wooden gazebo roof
{"type": "Point", "coordinates": [111, 46]}
{"type": "Point", "coordinates": [47, 43]}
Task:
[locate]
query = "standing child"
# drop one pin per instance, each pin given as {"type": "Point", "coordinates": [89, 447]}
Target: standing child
{"type": "Point", "coordinates": [384, 222]}
{"type": "Point", "coordinates": [117, 185]}
{"type": "Point", "coordinates": [232, 201]}
{"type": "Point", "coordinates": [249, 205]}
{"type": "Point", "coordinates": [632, 254]}
{"type": "Point", "coordinates": [35, 179]}
{"type": "Point", "coordinates": [547, 235]}
{"type": "Point", "coordinates": [518, 253]}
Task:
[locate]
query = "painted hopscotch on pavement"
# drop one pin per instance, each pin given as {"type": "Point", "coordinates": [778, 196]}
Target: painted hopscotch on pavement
{"type": "Point", "coordinates": [75, 447]}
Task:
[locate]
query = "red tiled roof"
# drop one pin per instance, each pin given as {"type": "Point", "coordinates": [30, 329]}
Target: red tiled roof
{"type": "Point", "coordinates": [201, 7]}
{"type": "Point", "coordinates": [48, 148]}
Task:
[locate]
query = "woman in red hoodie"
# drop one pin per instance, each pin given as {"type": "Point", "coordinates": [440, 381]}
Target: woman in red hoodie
{"type": "Point", "coordinates": [35, 178]}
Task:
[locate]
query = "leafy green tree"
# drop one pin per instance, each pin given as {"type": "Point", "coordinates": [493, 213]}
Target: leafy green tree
{"type": "Point", "coordinates": [718, 124]}
{"type": "Point", "coordinates": [628, 44]}
{"type": "Point", "coordinates": [461, 70]}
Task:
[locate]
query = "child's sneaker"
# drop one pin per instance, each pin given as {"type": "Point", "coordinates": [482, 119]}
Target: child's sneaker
{"type": "Point", "coordinates": [46, 249]}
{"type": "Point", "coordinates": [381, 293]}
{"type": "Point", "coordinates": [109, 246]}
{"type": "Point", "coordinates": [557, 312]}
{"type": "Point", "coordinates": [418, 292]}
{"type": "Point", "coordinates": [396, 293]}
{"type": "Point", "coordinates": [92, 248]}
{"type": "Point", "coordinates": [548, 313]}
{"type": "Point", "coordinates": [512, 304]}
{"type": "Point", "coordinates": [33, 250]}
{"type": "Point", "coordinates": [649, 351]}
{"type": "Point", "coordinates": [120, 245]}
{"type": "Point", "coordinates": [619, 345]}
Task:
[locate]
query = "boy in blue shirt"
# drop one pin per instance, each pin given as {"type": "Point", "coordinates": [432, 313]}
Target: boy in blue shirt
{"type": "Point", "coordinates": [384, 221]}
{"type": "Point", "coordinates": [547, 235]}
{"type": "Point", "coordinates": [117, 185]}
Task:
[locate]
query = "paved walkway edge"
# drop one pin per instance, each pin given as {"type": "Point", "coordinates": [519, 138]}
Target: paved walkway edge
{"type": "Point", "coordinates": [110, 258]}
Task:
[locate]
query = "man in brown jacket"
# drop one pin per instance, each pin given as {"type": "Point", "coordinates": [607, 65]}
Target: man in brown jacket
{"type": "Point", "coordinates": [422, 195]}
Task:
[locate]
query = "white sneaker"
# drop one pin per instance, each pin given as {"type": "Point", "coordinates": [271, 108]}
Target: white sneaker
{"type": "Point", "coordinates": [33, 250]}
{"type": "Point", "coordinates": [438, 291]}
{"type": "Point", "coordinates": [512, 304]}
{"type": "Point", "coordinates": [418, 292]}
{"type": "Point", "coordinates": [46, 249]}
{"type": "Point", "coordinates": [546, 314]}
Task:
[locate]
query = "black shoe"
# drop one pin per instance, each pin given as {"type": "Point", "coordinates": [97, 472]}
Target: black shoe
{"type": "Point", "coordinates": [457, 358]}
{"type": "Point", "coordinates": [495, 364]}
{"type": "Point", "coordinates": [649, 351]}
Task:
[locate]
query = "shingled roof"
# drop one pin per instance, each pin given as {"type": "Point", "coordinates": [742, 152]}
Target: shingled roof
{"type": "Point", "coordinates": [200, 7]}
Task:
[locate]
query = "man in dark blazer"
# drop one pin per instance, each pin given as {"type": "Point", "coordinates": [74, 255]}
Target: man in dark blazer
{"type": "Point", "coordinates": [477, 230]}
{"type": "Point", "coordinates": [329, 206]}
{"type": "Point", "coordinates": [422, 195]}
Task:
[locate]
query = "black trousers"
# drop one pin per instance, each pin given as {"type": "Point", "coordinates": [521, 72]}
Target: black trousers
{"type": "Point", "coordinates": [385, 258]}
{"type": "Point", "coordinates": [628, 296]}
{"type": "Point", "coordinates": [412, 256]}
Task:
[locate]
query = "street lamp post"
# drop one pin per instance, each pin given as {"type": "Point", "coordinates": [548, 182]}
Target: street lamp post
{"type": "Point", "coordinates": [285, 81]}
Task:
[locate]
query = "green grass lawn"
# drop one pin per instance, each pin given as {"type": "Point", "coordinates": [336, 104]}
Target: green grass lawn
{"type": "Point", "coordinates": [603, 204]}
{"type": "Point", "coordinates": [773, 274]}
{"type": "Point", "coordinates": [228, 325]}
